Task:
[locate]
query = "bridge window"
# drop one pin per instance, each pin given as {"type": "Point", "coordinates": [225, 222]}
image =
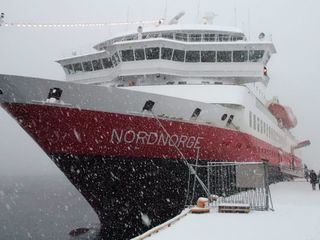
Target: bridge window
{"type": "Point", "coordinates": [240, 56]}
{"type": "Point", "coordinates": [152, 53]}
{"type": "Point", "coordinates": [208, 56]}
{"type": "Point", "coordinates": [77, 67]}
{"type": "Point", "coordinates": [166, 53]}
{"type": "Point", "coordinates": [87, 66]}
{"type": "Point", "coordinates": [256, 55]}
{"type": "Point", "coordinates": [192, 56]}
{"type": "Point", "coordinates": [97, 65]}
{"type": "Point", "coordinates": [178, 55]}
{"type": "Point", "coordinates": [139, 54]}
{"type": "Point", "coordinates": [167, 35]}
{"type": "Point", "coordinates": [68, 68]}
{"type": "Point", "coordinates": [209, 37]}
{"type": "Point", "coordinates": [254, 122]}
{"type": "Point", "coordinates": [195, 37]}
{"type": "Point", "coordinates": [250, 119]}
{"type": "Point", "coordinates": [127, 55]}
{"type": "Point", "coordinates": [223, 38]}
{"type": "Point", "coordinates": [107, 63]}
{"type": "Point", "coordinates": [182, 37]}
{"type": "Point", "coordinates": [224, 56]}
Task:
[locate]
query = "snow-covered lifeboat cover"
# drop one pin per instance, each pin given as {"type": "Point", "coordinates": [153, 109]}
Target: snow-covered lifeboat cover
{"type": "Point", "coordinates": [283, 114]}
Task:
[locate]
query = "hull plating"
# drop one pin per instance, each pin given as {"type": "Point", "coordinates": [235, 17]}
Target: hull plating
{"type": "Point", "coordinates": [127, 166]}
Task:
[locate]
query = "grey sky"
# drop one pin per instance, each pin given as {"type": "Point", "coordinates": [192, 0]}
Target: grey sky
{"type": "Point", "coordinates": [294, 26]}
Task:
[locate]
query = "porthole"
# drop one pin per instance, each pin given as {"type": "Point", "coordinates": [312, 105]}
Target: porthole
{"type": "Point", "coordinates": [224, 117]}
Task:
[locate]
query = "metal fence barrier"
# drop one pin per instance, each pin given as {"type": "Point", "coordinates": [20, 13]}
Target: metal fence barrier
{"type": "Point", "coordinates": [237, 183]}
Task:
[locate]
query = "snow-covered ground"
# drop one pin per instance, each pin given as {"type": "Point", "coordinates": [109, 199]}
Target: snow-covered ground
{"type": "Point", "coordinates": [296, 217]}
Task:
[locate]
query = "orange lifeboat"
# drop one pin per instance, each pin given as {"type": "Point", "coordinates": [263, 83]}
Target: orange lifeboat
{"type": "Point", "coordinates": [283, 114]}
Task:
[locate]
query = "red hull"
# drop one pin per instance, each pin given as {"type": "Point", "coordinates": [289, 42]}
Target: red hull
{"type": "Point", "coordinates": [60, 130]}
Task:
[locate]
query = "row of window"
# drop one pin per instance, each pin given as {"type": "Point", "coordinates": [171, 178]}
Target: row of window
{"type": "Point", "coordinates": [186, 37]}
{"type": "Point", "coordinates": [94, 65]}
{"type": "Point", "coordinates": [259, 125]}
{"type": "Point", "coordinates": [165, 54]}
{"type": "Point", "coordinates": [190, 56]}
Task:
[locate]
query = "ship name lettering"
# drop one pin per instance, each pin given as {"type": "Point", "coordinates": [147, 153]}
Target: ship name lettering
{"type": "Point", "coordinates": [130, 136]}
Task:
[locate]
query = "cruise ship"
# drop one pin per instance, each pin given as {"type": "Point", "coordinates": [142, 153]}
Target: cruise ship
{"type": "Point", "coordinates": [133, 114]}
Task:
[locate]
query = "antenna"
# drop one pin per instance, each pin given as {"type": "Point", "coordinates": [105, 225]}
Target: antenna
{"type": "Point", "coordinates": [165, 10]}
{"type": "Point", "coordinates": [128, 11]}
{"type": "Point", "coordinates": [249, 24]}
{"type": "Point", "coordinates": [235, 13]}
{"type": "Point", "coordinates": [198, 11]}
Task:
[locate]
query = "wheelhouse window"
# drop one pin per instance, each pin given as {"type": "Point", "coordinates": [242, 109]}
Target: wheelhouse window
{"type": "Point", "coordinates": [107, 63]}
{"type": "Point", "coordinates": [97, 65]}
{"type": "Point", "coordinates": [167, 35]}
{"type": "Point", "coordinates": [68, 68]}
{"type": "Point", "coordinates": [236, 38]}
{"type": "Point", "coordinates": [182, 37]}
{"type": "Point", "coordinates": [195, 37]}
{"type": "Point", "coordinates": [223, 38]}
{"type": "Point", "coordinates": [178, 55]}
{"type": "Point", "coordinates": [240, 56]}
{"type": "Point", "coordinates": [208, 56]}
{"type": "Point", "coordinates": [139, 54]}
{"type": "Point", "coordinates": [209, 37]}
{"type": "Point", "coordinates": [87, 66]}
{"type": "Point", "coordinates": [224, 56]}
{"type": "Point", "coordinates": [153, 35]}
{"type": "Point", "coordinates": [77, 67]}
{"type": "Point", "coordinates": [256, 55]}
{"type": "Point", "coordinates": [192, 56]}
{"type": "Point", "coordinates": [127, 55]}
{"type": "Point", "coordinates": [166, 53]}
{"type": "Point", "coordinates": [152, 53]}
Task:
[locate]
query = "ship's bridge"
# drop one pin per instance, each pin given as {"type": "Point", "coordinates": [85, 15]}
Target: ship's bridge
{"type": "Point", "coordinates": [184, 33]}
{"type": "Point", "coordinates": [174, 54]}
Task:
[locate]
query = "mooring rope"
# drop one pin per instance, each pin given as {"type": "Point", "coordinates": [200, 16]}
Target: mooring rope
{"type": "Point", "coordinates": [190, 167]}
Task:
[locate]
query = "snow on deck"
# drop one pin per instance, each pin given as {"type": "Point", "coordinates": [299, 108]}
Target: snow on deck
{"type": "Point", "coordinates": [296, 217]}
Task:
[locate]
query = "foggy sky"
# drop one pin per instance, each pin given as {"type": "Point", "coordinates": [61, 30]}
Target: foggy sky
{"type": "Point", "coordinates": [294, 70]}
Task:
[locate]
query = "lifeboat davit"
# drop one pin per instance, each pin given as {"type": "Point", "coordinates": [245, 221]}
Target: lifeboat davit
{"type": "Point", "coordinates": [283, 114]}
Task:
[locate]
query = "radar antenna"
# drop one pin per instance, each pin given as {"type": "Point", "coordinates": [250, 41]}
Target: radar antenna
{"type": "Point", "coordinates": [176, 19]}
{"type": "Point", "coordinates": [209, 17]}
